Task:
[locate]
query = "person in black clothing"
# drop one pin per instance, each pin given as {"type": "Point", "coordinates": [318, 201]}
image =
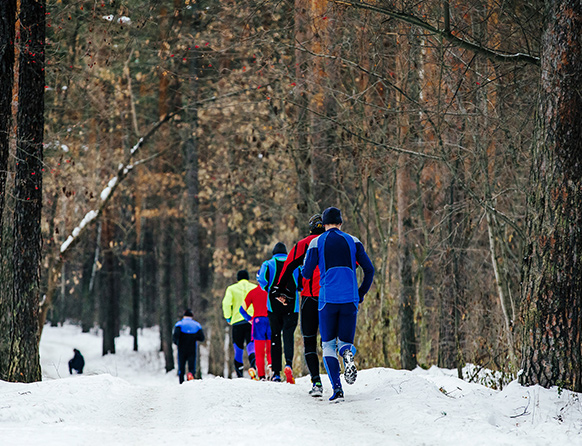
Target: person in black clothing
{"type": "Point", "coordinates": [187, 332]}
{"type": "Point", "coordinates": [309, 299]}
{"type": "Point", "coordinates": [282, 317]}
{"type": "Point", "coordinates": [77, 362]}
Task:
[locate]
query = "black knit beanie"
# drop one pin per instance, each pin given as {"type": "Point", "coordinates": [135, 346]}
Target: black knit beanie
{"type": "Point", "coordinates": [242, 274]}
{"type": "Point", "coordinates": [280, 248]}
{"type": "Point", "coordinates": [332, 216]}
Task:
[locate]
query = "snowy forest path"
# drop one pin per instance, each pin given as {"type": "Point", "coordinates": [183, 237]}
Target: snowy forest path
{"type": "Point", "coordinates": [186, 410]}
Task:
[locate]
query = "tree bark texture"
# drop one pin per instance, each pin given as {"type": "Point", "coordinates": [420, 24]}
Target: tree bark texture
{"type": "Point", "coordinates": [219, 355]}
{"type": "Point", "coordinates": [410, 135]}
{"type": "Point", "coordinates": [7, 35]}
{"type": "Point", "coordinates": [134, 322]}
{"type": "Point", "coordinates": [110, 289]}
{"type": "Point", "coordinates": [452, 295]}
{"type": "Point", "coordinates": [552, 291]}
{"type": "Point", "coordinates": [88, 291]}
{"type": "Point", "coordinates": [406, 293]}
{"type": "Point", "coordinates": [149, 276]}
{"type": "Point", "coordinates": [165, 293]}
{"type": "Point", "coordinates": [301, 151]}
{"type": "Point", "coordinates": [24, 353]}
{"type": "Point", "coordinates": [315, 138]}
{"type": "Point", "coordinates": [195, 299]}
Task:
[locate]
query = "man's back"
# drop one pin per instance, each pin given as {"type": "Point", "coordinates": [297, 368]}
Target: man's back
{"type": "Point", "coordinates": [233, 299]}
{"type": "Point", "coordinates": [186, 333]}
{"type": "Point", "coordinates": [337, 254]}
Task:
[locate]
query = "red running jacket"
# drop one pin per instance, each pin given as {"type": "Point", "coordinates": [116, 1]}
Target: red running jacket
{"type": "Point", "coordinates": [310, 287]}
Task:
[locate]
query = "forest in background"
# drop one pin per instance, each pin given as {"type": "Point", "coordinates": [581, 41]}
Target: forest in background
{"type": "Point", "coordinates": [200, 133]}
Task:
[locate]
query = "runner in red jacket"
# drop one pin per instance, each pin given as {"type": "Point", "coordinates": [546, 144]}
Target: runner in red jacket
{"type": "Point", "coordinates": [309, 299]}
{"type": "Point", "coordinates": [261, 331]}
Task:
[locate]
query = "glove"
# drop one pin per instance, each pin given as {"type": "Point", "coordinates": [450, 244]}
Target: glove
{"type": "Point", "coordinates": [228, 321]}
{"type": "Point", "coordinates": [280, 291]}
{"type": "Point", "coordinates": [276, 291]}
{"type": "Point", "coordinates": [361, 297]}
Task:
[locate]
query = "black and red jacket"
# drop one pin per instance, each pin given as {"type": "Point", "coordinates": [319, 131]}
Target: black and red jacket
{"type": "Point", "coordinates": [310, 287]}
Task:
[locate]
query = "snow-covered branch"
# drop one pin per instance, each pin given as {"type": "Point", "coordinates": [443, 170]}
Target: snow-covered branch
{"type": "Point", "coordinates": [108, 191]}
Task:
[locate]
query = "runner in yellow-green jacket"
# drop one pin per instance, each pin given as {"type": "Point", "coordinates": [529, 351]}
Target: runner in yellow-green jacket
{"type": "Point", "coordinates": [241, 329]}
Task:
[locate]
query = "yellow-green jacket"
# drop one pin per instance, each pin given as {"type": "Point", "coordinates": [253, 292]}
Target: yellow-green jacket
{"type": "Point", "coordinates": [233, 299]}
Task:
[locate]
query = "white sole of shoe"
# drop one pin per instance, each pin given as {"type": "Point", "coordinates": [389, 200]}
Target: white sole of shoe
{"type": "Point", "coordinates": [350, 370]}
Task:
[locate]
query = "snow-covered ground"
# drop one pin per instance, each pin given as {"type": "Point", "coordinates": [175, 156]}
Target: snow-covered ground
{"type": "Point", "coordinates": [128, 399]}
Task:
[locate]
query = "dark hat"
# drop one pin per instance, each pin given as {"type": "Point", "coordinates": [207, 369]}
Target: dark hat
{"type": "Point", "coordinates": [242, 274]}
{"type": "Point", "coordinates": [332, 216]}
{"type": "Point", "coordinates": [280, 248]}
{"type": "Point", "coordinates": [316, 224]}
{"type": "Point", "coordinates": [188, 312]}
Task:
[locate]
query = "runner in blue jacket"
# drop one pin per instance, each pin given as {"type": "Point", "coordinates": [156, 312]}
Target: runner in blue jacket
{"type": "Point", "coordinates": [338, 254]}
{"type": "Point", "coordinates": [187, 332]}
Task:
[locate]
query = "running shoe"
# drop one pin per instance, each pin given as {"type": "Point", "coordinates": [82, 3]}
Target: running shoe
{"type": "Point", "coordinates": [289, 375]}
{"type": "Point", "coordinates": [276, 378]}
{"type": "Point", "coordinates": [338, 395]}
{"type": "Point", "coordinates": [350, 370]}
{"type": "Point", "coordinates": [253, 374]}
{"type": "Point", "coordinates": [316, 390]}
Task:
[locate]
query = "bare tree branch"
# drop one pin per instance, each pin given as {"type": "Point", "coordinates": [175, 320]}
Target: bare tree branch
{"type": "Point", "coordinates": [445, 34]}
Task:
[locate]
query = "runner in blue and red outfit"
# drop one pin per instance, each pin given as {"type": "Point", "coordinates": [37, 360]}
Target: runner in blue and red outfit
{"type": "Point", "coordinates": [309, 298]}
{"type": "Point", "coordinates": [338, 254]}
{"type": "Point", "coordinates": [261, 331]}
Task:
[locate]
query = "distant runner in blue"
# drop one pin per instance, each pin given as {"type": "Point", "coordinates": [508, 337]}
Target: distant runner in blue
{"type": "Point", "coordinates": [338, 254]}
{"type": "Point", "coordinates": [187, 332]}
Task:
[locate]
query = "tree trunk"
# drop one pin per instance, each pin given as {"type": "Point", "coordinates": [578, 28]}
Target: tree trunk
{"type": "Point", "coordinates": [301, 152]}
{"type": "Point", "coordinates": [135, 295]}
{"type": "Point", "coordinates": [409, 135]}
{"type": "Point", "coordinates": [195, 299]}
{"type": "Point", "coordinates": [219, 354]}
{"type": "Point", "coordinates": [165, 293]}
{"type": "Point", "coordinates": [24, 354]}
{"type": "Point", "coordinates": [406, 294]}
{"type": "Point", "coordinates": [314, 134]}
{"type": "Point", "coordinates": [453, 289]}
{"type": "Point", "coordinates": [7, 36]}
{"type": "Point", "coordinates": [89, 274]}
{"type": "Point", "coordinates": [149, 276]}
{"type": "Point", "coordinates": [552, 291]}
{"type": "Point", "coordinates": [110, 289]}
